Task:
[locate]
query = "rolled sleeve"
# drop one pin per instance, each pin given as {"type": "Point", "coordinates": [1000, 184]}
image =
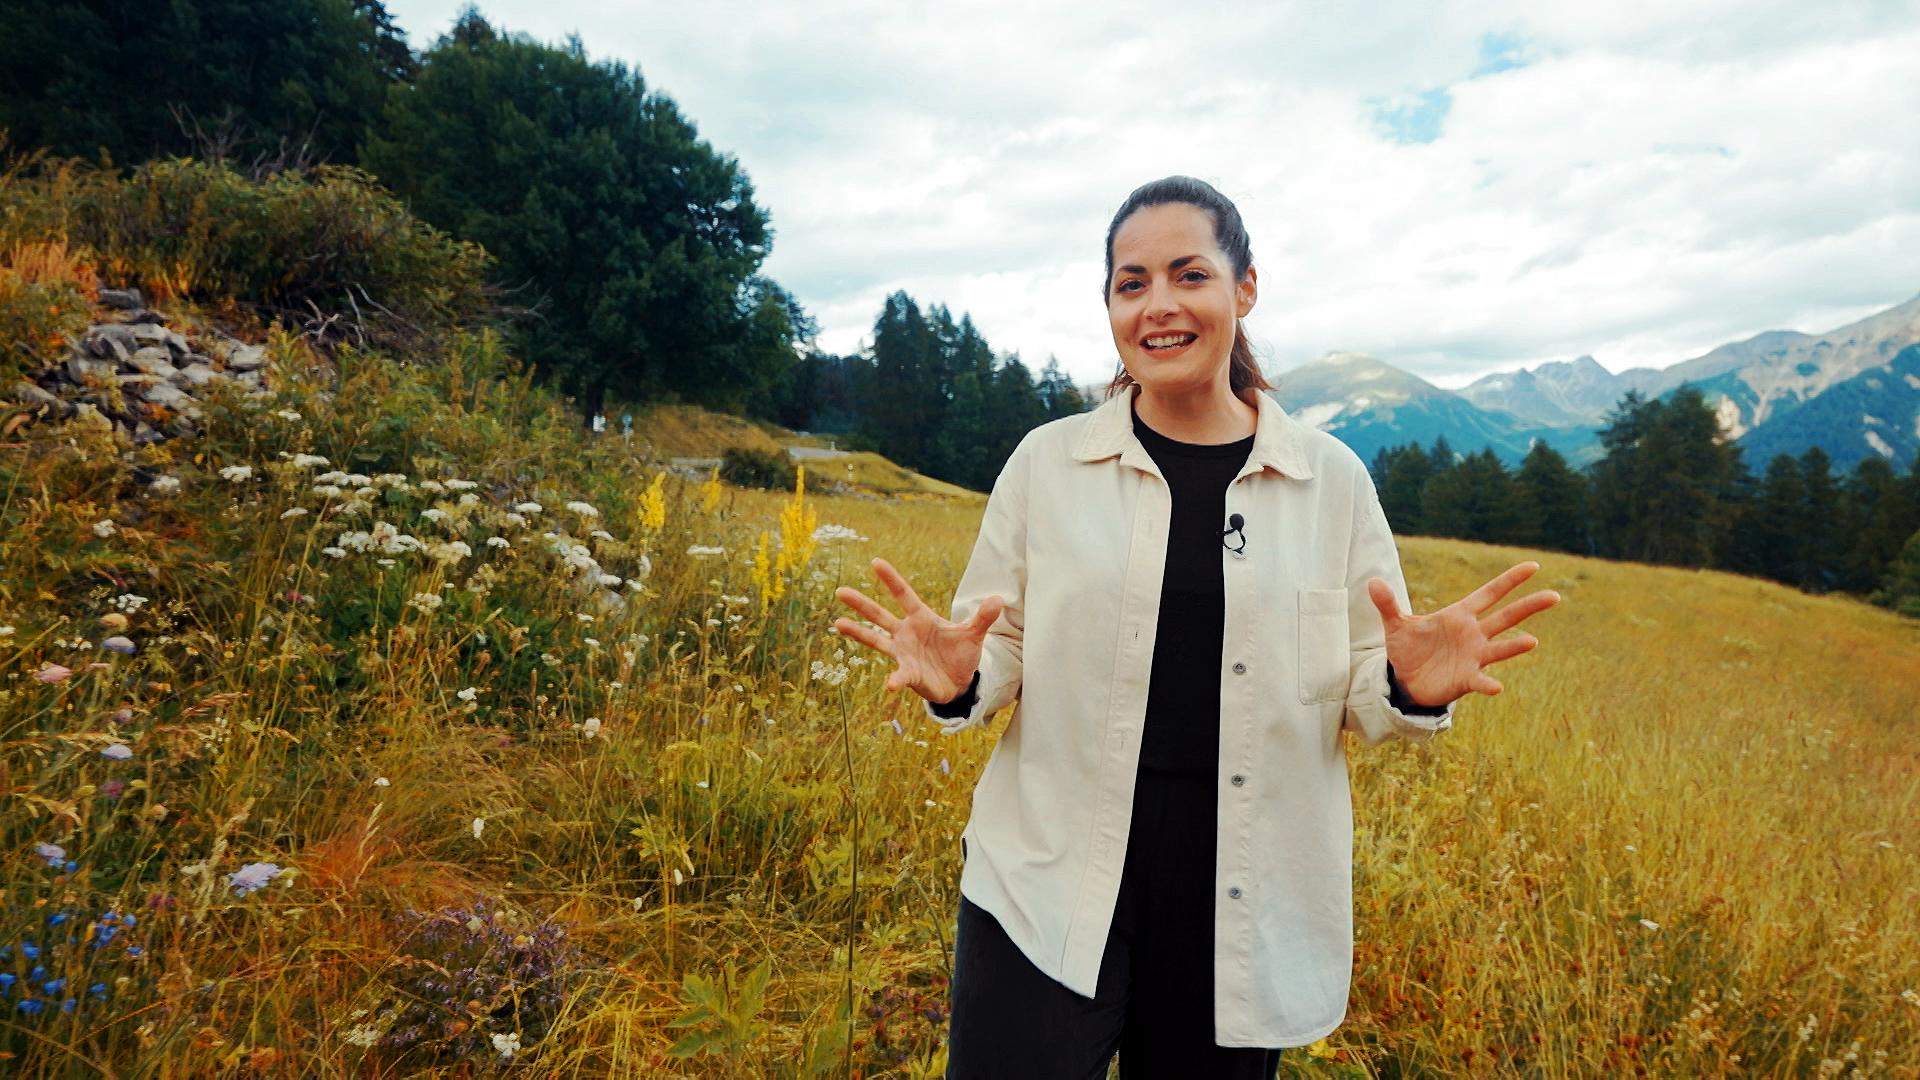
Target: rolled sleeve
{"type": "Point", "coordinates": [1370, 711]}
{"type": "Point", "coordinates": [998, 567]}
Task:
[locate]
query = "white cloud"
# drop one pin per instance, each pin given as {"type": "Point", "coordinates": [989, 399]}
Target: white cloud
{"type": "Point", "coordinates": [1654, 180]}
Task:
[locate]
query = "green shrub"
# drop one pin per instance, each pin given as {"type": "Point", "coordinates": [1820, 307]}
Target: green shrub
{"type": "Point", "coordinates": [757, 468]}
{"type": "Point", "coordinates": [328, 248]}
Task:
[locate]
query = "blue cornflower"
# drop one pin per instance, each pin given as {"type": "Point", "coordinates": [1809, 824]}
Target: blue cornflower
{"type": "Point", "coordinates": [135, 951]}
{"type": "Point", "coordinates": [53, 986]}
{"type": "Point", "coordinates": [29, 1006]}
{"type": "Point", "coordinates": [67, 1005]}
{"type": "Point", "coordinates": [72, 866]}
{"type": "Point", "coordinates": [6, 983]}
{"type": "Point", "coordinates": [106, 935]}
{"type": "Point", "coordinates": [126, 920]}
{"type": "Point", "coordinates": [29, 950]}
{"type": "Point", "coordinates": [57, 918]}
{"type": "Point", "coordinates": [39, 972]}
{"type": "Point", "coordinates": [98, 989]}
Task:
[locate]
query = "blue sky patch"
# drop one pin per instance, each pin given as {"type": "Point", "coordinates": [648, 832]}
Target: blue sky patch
{"type": "Point", "coordinates": [1500, 52]}
{"type": "Point", "coordinates": [1412, 120]}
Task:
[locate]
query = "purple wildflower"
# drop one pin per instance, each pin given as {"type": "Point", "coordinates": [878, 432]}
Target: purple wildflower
{"type": "Point", "coordinates": [252, 877]}
{"type": "Point", "coordinates": [53, 853]}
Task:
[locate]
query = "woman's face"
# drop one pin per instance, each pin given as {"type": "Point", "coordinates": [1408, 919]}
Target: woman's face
{"type": "Point", "coordinates": [1172, 300]}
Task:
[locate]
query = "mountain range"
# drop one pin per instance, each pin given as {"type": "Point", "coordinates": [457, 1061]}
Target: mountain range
{"type": "Point", "coordinates": [1853, 391]}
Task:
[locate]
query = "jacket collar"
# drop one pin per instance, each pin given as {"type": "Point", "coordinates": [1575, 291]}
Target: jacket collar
{"type": "Point", "coordinates": [1276, 438]}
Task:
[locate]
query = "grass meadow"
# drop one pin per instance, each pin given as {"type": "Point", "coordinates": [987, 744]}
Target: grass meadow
{"type": "Point", "coordinates": [393, 726]}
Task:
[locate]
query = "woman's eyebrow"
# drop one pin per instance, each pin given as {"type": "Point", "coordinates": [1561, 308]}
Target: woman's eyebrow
{"type": "Point", "coordinates": [1174, 265]}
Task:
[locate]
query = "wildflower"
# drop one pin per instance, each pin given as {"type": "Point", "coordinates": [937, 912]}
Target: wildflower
{"type": "Point", "coordinates": [112, 789]}
{"type": "Point", "coordinates": [334, 552]}
{"type": "Point", "coordinates": [104, 529]}
{"type": "Point", "coordinates": [53, 673]}
{"type": "Point", "coordinates": [1649, 924]}
{"type": "Point", "coordinates": [381, 781]}
{"type": "Point", "coordinates": [289, 416]}
{"type": "Point", "coordinates": [471, 693]}
{"type": "Point", "coordinates": [641, 901]}
{"type": "Point", "coordinates": [165, 485]}
{"type": "Point", "coordinates": [479, 826]}
{"type": "Point", "coordinates": [516, 520]}
{"type": "Point", "coordinates": [236, 473]}
{"type": "Point", "coordinates": [653, 504]}
{"type": "Point", "coordinates": [333, 477]}
{"type": "Point", "coordinates": [831, 674]}
{"type": "Point", "coordinates": [498, 542]}
{"type": "Point", "coordinates": [677, 878]}
{"type": "Point", "coordinates": [897, 729]}
{"type": "Point", "coordinates": [583, 509]}
{"type": "Point", "coordinates": [450, 552]}
{"type": "Point", "coordinates": [826, 533]}
{"type": "Point", "coordinates": [252, 877]}
{"type": "Point", "coordinates": [591, 727]}
{"type": "Point", "coordinates": [328, 491]}
{"type": "Point", "coordinates": [435, 515]}
{"type": "Point", "coordinates": [363, 1036]}
{"type": "Point", "coordinates": [945, 769]}
{"type": "Point", "coordinates": [591, 643]}
{"type": "Point", "coordinates": [294, 512]}
{"type": "Point", "coordinates": [461, 485]}
{"type": "Point", "coordinates": [527, 508]}
{"type": "Point", "coordinates": [583, 616]}
{"type": "Point", "coordinates": [725, 599]}
{"type": "Point", "coordinates": [394, 480]}
{"type": "Point", "coordinates": [384, 564]}
{"type": "Point", "coordinates": [611, 581]}
{"type": "Point", "coordinates": [308, 461]}
{"type": "Point", "coordinates": [118, 644]}
{"type": "Point", "coordinates": [702, 550]}
{"type": "Point", "coordinates": [53, 853]}
{"type": "Point", "coordinates": [506, 1044]}
{"type": "Point", "coordinates": [646, 566]}
{"type": "Point", "coordinates": [117, 752]}
{"type": "Point", "coordinates": [127, 603]}
{"type": "Point", "coordinates": [710, 491]}
{"type": "Point", "coordinates": [434, 486]}
{"type": "Point", "coordinates": [426, 601]}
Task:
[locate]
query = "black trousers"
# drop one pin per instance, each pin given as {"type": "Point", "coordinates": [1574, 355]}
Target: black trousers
{"type": "Point", "coordinates": [1153, 1001]}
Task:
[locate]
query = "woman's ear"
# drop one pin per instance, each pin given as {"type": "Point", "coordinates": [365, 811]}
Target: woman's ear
{"type": "Point", "coordinates": [1247, 291]}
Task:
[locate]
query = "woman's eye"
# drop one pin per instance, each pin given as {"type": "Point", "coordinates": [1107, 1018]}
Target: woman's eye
{"type": "Point", "coordinates": [1125, 286]}
{"type": "Point", "coordinates": [1194, 275]}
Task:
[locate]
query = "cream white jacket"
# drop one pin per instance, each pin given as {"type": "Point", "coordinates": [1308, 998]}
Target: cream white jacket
{"type": "Point", "coordinates": [1074, 540]}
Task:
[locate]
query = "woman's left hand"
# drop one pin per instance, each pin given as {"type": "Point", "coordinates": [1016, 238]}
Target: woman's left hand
{"type": "Point", "coordinates": [1439, 657]}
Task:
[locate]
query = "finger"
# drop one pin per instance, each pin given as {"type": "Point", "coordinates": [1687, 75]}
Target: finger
{"type": "Point", "coordinates": [990, 610]}
{"type": "Point", "coordinates": [869, 608]}
{"type": "Point", "coordinates": [1383, 599]}
{"type": "Point", "coordinates": [1503, 583]}
{"type": "Point", "coordinates": [1510, 616]}
{"type": "Point", "coordinates": [1485, 684]}
{"type": "Point", "coordinates": [865, 635]}
{"type": "Point", "coordinates": [903, 592]}
{"type": "Point", "coordinates": [1507, 648]}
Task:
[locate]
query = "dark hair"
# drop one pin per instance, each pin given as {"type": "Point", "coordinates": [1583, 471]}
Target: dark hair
{"type": "Point", "coordinates": [1243, 371]}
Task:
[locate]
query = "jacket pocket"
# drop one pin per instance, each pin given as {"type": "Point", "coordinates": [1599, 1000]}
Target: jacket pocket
{"type": "Point", "coordinates": [1324, 647]}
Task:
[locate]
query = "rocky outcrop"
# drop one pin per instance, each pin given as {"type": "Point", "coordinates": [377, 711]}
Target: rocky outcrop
{"type": "Point", "coordinates": [141, 374]}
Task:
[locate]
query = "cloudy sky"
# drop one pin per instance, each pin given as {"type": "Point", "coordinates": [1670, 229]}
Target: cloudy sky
{"type": "Point", "coordinates": [1456, 188]}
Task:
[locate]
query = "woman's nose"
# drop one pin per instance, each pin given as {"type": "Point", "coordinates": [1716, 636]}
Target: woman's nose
{"type": "Point", "coordinates": [1160, 302]}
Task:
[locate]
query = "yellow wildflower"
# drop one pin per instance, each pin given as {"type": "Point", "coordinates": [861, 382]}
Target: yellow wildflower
{"type": "Point", "coordinates": [653, 504]}
{"type": "Point", "coordinates": [710, 492]}
{"type": "Point", "coordinates": [797, 522]}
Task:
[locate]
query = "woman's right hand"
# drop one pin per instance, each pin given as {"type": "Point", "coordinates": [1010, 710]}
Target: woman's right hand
{"type": "Point", "coordinates": [936, 657]}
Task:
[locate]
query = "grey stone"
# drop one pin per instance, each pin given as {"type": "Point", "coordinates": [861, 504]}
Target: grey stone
{"type": "Point", "coordinates": [143, 434]}
{"type": "Point", "coordinates": [144, 315]}
{"type": "Point", "coordinates": [149, 333]}
{"type": "Point", "coordinates": [200, 376]}
{"type": "Point", "coordinates": [247, 358]}
{"type": "Point", "coordinates": [121, 299]}
{"type": "Point", "coordinates": [110, 341]}
{"type": "Point", "coordinates": [27, 393]}
{"type": "Point", "coordinates": [81, 370]}
{"type": "Point", "coordinates": [178, 344]}
{"type": "Point", "coordinates": [252, 379]}
{"type": "Point", "coordinates": [172, 397]}
{"type": "Point", "coordinates": [153, 360]}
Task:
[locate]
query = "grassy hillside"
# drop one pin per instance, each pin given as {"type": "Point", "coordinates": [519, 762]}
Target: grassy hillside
{"type": "Point", "coordinates": [389, 725]}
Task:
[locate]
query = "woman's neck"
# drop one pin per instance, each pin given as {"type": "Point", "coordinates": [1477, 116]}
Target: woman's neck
{"type": "Point", "coordinates": [1209, 417]}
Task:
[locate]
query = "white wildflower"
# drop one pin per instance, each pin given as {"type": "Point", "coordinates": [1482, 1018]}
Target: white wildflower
{"type": "Point", "coordinates": [583, 509]}
{"type": "Point", "coordinates": [435, 514]}
{"type": "Point", "coordinates": [461, 485]}
{"type": "Point", "coordinates": [328, 491]}
{"type": "Point", "coordinates": [591, 727]}
{"type": "Point", "coordinates": [450, 552]}
{"type": "Point", "coordinates": [471, 693]}
{"type": "Point", "coordinates": [104, 529]}
{"type": "Point", "coordinates": [381, 781]}
{"type": "Point", "coordinates": [479, 826]}
{"type": "Point", "coordinates": [601, 534]}
{"type": "Point", "coordinates": [725, 599]}
{"type": "Point", "coordinates": [611, 581]}
{"type": "Point", "coordinates": [165, 485]}
{"type": "Point", "coordinates": [334, 552]}
{"type": "Point", "coordinates": [827, 533]}
{"type": "Point", "coordinates": [392, 480]}
{"type": "Point", "coordinates": [434, 486]}
{"type": "Point", "coordinates": [583, 616]}
{"type": "Point", "coordinates": [363, 1035]}
{"type": "Point", "coordinates": [1649, 924]}
{"type": "Point", "coordinates": [294, 512]}
{"type": "Point", "coordinates": [288, 415]}
{"type": "Point", "coordinates": [237, 473]}
{"type": "Point", "coordinates": [498, 542]}
{"type": "Point", "coordinates": [426, 601]}
{"type": "Point", "coordinates": [308, 461]}
{"type": "Point", "coordinates": [516, 520]}
{"type": "Point", "coordinates": [357, 480]}
{"type": "Point", "coordinates": [702, 550]}
{"type": "Point", "coordinates": [334, 476]}
{"type": "Point", "coordinates": [469, 499]}
{"type": "Point", "coordinates": [527, 508]}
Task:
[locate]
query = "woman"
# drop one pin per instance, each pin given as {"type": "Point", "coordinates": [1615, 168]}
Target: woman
{"type": "Point", "coordinates": [1187, 596]}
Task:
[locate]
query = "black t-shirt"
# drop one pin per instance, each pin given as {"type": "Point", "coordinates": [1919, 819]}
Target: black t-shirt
{"type": "Point", "coordinates": [1183, 697]}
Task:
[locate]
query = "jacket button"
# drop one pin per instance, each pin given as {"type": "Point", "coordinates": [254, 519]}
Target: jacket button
{"type": "Point", "coordinates": [1239, 668]}
{"type": "Point", "coordinates": [1234, 892]}
{"type": "Point", "coordinates": [1238, 779]}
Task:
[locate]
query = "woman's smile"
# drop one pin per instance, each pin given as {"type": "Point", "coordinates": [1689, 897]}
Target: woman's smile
{"type": "Point", "coordinates": [1168, 345]}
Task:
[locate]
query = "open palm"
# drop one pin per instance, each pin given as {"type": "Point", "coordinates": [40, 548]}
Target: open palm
{"type": "Point", "coordinates": [1441, 656]}
{"type": "Point", "coordinates": [936, 657]}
